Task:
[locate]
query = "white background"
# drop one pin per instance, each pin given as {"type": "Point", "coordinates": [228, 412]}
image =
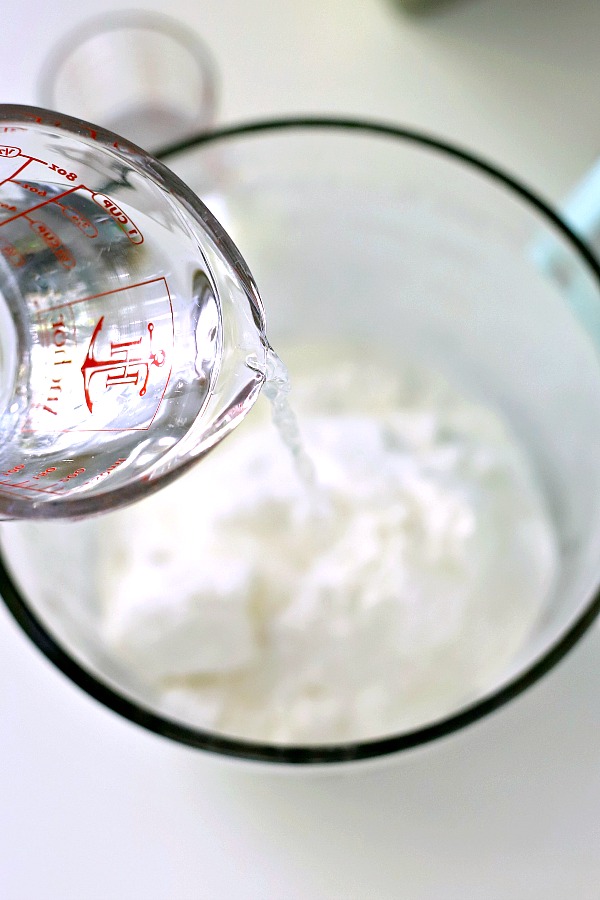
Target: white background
{"type": "Point", "coordinates": [93, 808]}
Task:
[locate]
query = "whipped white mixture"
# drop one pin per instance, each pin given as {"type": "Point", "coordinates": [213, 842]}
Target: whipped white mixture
{"type": "Point", "coordinates": [395, 592]}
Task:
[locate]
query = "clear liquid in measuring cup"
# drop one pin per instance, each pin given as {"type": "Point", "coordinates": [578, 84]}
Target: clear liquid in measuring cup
{"type": "Point", "coordinates": [130, 342]}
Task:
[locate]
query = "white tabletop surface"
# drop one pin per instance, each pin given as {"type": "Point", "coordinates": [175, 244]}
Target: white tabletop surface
{"type": "Point", "coordinates": [94, 808]}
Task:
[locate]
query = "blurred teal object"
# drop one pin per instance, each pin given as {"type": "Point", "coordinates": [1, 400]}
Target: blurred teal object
{"type": "Point", "coordinates": [581, 208]}
{"type": "Point", "coordinates": [581, 211]}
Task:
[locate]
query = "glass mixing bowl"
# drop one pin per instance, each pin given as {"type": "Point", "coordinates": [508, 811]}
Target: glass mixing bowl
{"type": "Point", "coordinates": [365, 235]}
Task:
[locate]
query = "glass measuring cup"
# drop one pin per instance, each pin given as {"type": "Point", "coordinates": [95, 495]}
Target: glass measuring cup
{"type": "Point", "coordinates": [131, 332]}
{"type": "Point", "coordinates": [138, 73]}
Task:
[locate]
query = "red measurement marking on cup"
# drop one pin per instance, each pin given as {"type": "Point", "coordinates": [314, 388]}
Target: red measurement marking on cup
{"type": "Point", "coordinates": [36, 482]}
{"type": "Point", "coordinates": [14, 470]}
{"type": "Point", "coordinates": [39, 194]}
{"type": "Point", "coordinates": [26, 486]}
{"type": "Point", "coordinates": [33, 188]}
{"type": "Point", "coordinates": [124, 363]}
{"type": "Point", "coordinates": [17, 171]}
{"type": "Point", "coordinates": [61, 485]}
{"type": "Point", "coordinates": [118, 462]}
{"type": "Point", "coordinates": [121, 218]}
{"type": "Point", "coordinates": [30, 209]}
{"type": "Point", "coordinates": [53, 242]}
{"type": "Point", "coordinates": [70, 176]}
{"type": "Point", "coordinates": [107, 204]}
{"type": "Point", "coordinates": [75, 474]}
{"type": "Point", "coordinates": [11, 254]}
{"type": "Point", "coordinates": [51, 239]}
{"type": "Point", "coordinates": [79, 221]}
{"type": "Point", "coordinates": [116, 360]}
{"type": "Point", "coordinates": [48, 471]}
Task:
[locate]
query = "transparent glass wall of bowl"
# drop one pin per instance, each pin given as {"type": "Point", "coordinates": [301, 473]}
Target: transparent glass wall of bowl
{"type": "Point", "coordinates": [381, 241]}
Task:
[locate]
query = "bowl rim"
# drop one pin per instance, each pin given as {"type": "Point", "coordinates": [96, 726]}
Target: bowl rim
{"type": "Point", "coordinates": [104, 24]}
{"type": "Point", "coordinates": [319, 754]}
